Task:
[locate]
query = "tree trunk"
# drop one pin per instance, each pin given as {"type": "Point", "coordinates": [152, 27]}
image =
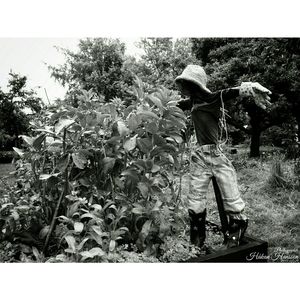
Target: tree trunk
{"type": "Point", "coordinates": [298, 125]}
{"type": "Point", "coordinates": [256, 129]}
{"type": "Point", "coordinates": [255, 143]}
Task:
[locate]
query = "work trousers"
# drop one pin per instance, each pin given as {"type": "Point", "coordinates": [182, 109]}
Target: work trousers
{"type": "Point", "coordinates": [207, 161]}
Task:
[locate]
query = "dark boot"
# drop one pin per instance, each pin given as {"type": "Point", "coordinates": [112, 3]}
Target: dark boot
{"type": "Point", "coordinates": [236, 232]}
{"type": "Point", "coordinates": [197, 231]}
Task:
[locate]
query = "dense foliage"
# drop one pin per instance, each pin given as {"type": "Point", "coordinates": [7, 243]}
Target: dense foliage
{"type": "Point", "coordinates": [97, 65]}
{"type": "Point", "coordinates": [99, 176]}
{"type": "Point", "coordinates": [275, 63]}
{"type": "Point", "coordinates": [163, 60]}
{"type": "Point", "coordinates": [13, 119]}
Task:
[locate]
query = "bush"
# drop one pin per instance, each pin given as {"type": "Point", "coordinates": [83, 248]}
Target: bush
{"type": "Point", "coordinates": [101, 172]}
{"type": "Point", "coordinates": [275, 136]}
{"type": "Point", "coordinates": [7, 156]}
{"type": "Point", "coordinates": [284, 137]}
{"type": "Point", "coordinates": [6, 141]}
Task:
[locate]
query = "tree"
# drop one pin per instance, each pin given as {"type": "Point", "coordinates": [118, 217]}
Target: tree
{"type": "Point", "coordinates": [97, 65]}
{"type": "Point", "coordinates": [272, 62]}
{"type": "Point", "coordinates": [13, 120]}
{"type": "Point", "coordinates": [164, 59]}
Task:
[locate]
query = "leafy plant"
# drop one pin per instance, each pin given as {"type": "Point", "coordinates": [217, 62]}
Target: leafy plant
{"type": "Point", "coordinates": [97, 176]}
{"type": "Point", "coordinates": [177, 249]}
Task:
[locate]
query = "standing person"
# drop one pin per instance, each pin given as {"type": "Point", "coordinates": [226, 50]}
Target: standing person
{"type": "Point", "coordinates": [207, 158]}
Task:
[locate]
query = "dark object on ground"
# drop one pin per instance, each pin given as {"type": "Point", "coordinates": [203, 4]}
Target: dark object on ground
{"type": "Point", "coordinates": [197, 230]}
{"type": "Point", "coordinates": [236, 232]}
{"type": "Point", "coordinates": [251, 250]}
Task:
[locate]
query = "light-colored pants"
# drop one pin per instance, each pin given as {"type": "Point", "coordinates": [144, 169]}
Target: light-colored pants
{"type": "Point", "coordinates": [207, 161]}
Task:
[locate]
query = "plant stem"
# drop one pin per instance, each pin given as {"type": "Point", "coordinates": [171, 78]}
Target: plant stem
{"type": "Point", "coordinates": [112, 188]}
{"type": "Point", "coordinates": [178, 198]}
{"type": "Point", "coordinates": [64, 141]}
{"type": "Point", "coordinates": [44, 157]}
{"type": "Point", "coordinates": [64, 192]}
{"type": "Point", "coordinates": [53, 220]}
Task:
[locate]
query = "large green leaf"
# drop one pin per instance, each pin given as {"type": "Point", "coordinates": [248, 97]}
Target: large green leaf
{"type": "Point", "coordinates": [175, 137]}
{"type": "Point", "coordinates": [112, 245]}
{"type": "Point", "coordinates": [138, 210]}
{"type": "Point", "coordinates": [55, 143]}
{"type": "Point", "coordinates": [97, 207]}
{"type": "Point", "coordinates": [78, 227]}
{"type": "Point", "coordinates": [45, 131]}
{"type": "Point", "coordinates": [108, 164]}
{"type": "Point", "coordinates": [44, 231]}
{"type": "Point", "coordinates": [132, 121]}
{"type": "Point", "coordinates": [37, 142]}
{"type": "Point", "coordinates": [144, 144]}
{"type": "Point", "coordinates": [18, 151]}
{"type": "Point", "coordinates": [155, 169]}
{"type": "Point", "coordinates": [151, 127]}
{"type": "Point", "coordinates": [79, 160]}
{"type": "Point", "coordinates": [156, 101]}
{"type": "Point", "coordinates": [146, 229]}
{"type": "Point", "coordinates": [47, 176]}
{"type": "Point", "coordinates": [27, 139]}
{"type": "Point", "coordinates": [63, 162]}
{"type": "Point", "coordinates": [168, 148]}
{"type": "Point", "coordinates": [130, 143]}
{"type": "Point", "coordinates": [132, 179]}
{"type": "Point", "coordinates": [97, 229]}
{"type": "Point", "coordinates": [71, 242]}
{"type": "Point", "coordinates": [122, 129]}
{"type": "Point", "coordinates": [144, 189]}
{"type": "Point", "coordinates": [62, 124]}
{"type": "Point", "coordinates": [158, 140]}
{"type": "Point", "coordinates": [140, 163]}
{"type": "Point", "coordinates": [148, 114]}
{"type": "Point", "coordinates": [52, 182]}
{"type": "Point", "coordinates": [92, 253]}
{"type": "Point", "coordinates": [101, 117]}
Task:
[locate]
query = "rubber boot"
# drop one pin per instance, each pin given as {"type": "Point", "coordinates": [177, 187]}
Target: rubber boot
{"type": "Point", "coordinates": [197, 230]}
{"type": "Point", "coordinates": [236, 232]}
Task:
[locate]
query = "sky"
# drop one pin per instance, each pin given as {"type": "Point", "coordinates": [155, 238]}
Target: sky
{"type": "Point", "coordinates": [29, 56]}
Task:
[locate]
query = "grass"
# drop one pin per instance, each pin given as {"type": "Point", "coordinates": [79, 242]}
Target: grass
{"type": "Point", "coordinates": [273, 212]}
{"type": "Point", "coordinates": [5, 178]}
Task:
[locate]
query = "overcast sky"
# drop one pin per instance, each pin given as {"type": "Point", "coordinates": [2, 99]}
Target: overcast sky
{"type": "Point", "coordinates": [27, 56]}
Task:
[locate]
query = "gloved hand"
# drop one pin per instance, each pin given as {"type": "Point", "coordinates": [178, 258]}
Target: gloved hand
{"type": "Point", "coordinates": [258, 92]}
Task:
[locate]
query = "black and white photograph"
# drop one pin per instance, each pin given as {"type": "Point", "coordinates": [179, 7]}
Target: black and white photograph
{"type": "Point", "coordinates": [150, 150]}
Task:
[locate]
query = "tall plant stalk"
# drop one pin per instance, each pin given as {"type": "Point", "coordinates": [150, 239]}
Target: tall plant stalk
{"type": "Point", "coordinates": [63, 193]}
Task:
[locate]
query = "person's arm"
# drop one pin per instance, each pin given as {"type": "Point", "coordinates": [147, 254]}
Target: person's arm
{"type": "Point", "coordinates": [259, 93]}
{"type": "Point", "coordinates": [227, 94]}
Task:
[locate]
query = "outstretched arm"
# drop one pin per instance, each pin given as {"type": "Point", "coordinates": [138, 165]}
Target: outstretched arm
{"type": "Point", "coordinates": [259, 93]}
{"type": "Point", "coordinates": [246, 89]}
